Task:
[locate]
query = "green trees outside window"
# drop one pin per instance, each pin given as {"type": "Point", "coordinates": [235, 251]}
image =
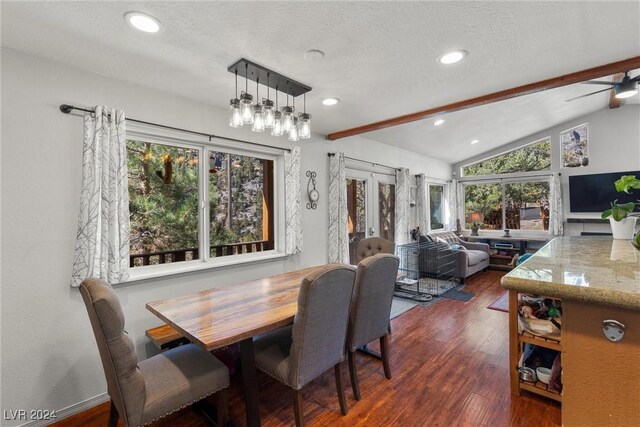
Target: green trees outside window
{"type": "Point", "coordinates": [164, 194]}
{"type": "Point", "coordinates": [513, 205]}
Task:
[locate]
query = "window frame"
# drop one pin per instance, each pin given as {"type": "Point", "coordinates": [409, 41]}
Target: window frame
{"type": "Point", "coordinates": [503, 182]}
{"type": "Point", "coordinates": [204, 144]}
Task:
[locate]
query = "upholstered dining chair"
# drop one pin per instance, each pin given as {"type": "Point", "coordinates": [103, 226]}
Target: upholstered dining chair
{"type": "Point", "coordinates": [315, 342]}
{"type": "Point", "coordinates": [374, 245]}
{"type": "Point", "coordinates": [142, 392]}
{"type": "Point", "coordinates": [370, 310]}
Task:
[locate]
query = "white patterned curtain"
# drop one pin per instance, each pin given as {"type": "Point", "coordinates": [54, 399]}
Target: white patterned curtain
{"type": "Point", "coordinates": [422, 209]}
{"type": "Point", "coordinates": [403, 196]}
{"type": "Point", "coordinates": [102, 239]}
{"type": "Point", "coordinates": [556, 221]}
{"type": "Point", "coordinates": [452, 204]}
{"type": "Point", "coordinates": [338, 234]}
{"type": "Point", "coordinates": [293, 214]}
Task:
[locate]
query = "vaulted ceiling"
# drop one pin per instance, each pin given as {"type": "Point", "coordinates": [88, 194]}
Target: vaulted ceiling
{"type": "Point", "coordinates": [380, 57]}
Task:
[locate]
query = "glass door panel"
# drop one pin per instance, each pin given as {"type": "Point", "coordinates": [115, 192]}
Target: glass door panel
{"type": "Point", "coordinates": [356, 214]}
{"type": "Point", "coordinates": [386, 210]}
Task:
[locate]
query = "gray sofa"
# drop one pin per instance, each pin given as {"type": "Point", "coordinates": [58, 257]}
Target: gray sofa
{"type": "Point", "coordinates": [471, 257]}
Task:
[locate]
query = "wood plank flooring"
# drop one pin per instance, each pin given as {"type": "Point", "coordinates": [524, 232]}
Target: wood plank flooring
{"type": "Point", "coordinates": [449, 365]}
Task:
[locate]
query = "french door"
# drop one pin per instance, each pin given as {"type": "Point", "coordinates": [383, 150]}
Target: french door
{"type": "Point", "coordinates": [371, 207]}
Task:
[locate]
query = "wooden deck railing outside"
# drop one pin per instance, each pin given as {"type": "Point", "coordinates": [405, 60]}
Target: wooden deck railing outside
{"type": "Point", "coordinates": [177, 255]}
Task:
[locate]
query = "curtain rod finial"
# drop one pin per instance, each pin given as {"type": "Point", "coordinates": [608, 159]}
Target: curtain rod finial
{"type": "Point", "coordinates": [65, 108]}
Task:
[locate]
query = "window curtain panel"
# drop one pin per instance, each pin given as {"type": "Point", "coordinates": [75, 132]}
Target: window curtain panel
{"type": "Point", "coordinates": [452, 204]}
{"type": "Point", "coordinates": [403, 197]}
{"type": "Point", "coordinates": [422, 209]}
{"type": "Point", "coordinates": [338, 235]}
{"type": "Point", "coordinates": [293, 210]}
{"type": "Point", "coordinates": [102, 239]}
{"type": "Point", "coordinates": [556, 220]}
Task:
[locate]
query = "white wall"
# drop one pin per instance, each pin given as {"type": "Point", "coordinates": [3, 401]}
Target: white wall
{"type": "Point", "coordinates": [50, 359]}
{"type": "Point", "coordinates": [614, 146]}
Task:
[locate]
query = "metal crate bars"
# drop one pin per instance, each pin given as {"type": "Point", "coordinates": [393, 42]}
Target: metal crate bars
{"type": "Point", "coordinates": [429, 269]}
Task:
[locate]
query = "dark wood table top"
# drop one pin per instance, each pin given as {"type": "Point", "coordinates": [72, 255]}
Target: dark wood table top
{"type": "Point", "coordinates": [221, 316]}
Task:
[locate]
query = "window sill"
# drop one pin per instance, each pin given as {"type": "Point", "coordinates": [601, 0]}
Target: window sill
{"type": "Point", "coordinates": [139, 274]}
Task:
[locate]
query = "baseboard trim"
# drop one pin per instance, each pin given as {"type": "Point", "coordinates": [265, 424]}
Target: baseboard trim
{"type": "Point", "coordinates": [71, 410]}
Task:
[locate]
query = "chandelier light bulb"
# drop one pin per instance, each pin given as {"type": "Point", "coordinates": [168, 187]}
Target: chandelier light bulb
{"type": "Point", "coordinates": [246, 108]}
{"type": "Point", "coordinates": [277, 129]}
{"type": "Point", "coordinates": [235, 116]}
{"type": "Point", "coordinates": [258, 119]}
{"type": "Point", "coordinates": [287, 118]}
{"type": "Point", "coordinates": [269, 110]}
{"type": "Point", "coordinates": [304, 125]}
{"type": "Point", "coordinates": [293, 131]}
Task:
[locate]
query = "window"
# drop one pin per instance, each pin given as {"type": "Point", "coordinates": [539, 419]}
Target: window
{"type": "Point", "coordinates": [436, 207]}
{"type": "Point", "coordinates": [535, 156]}
{"type": "Point", "coordinates": [520, 205]}
{"type": "Point", "coordinates": [166, 225]}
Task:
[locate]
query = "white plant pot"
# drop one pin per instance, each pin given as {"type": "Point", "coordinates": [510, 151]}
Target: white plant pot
{"type": "Point", "coordinates": [624, 229]}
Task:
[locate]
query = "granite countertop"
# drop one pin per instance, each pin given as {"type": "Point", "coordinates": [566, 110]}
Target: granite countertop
{"type": "Point", "coordinates": [596, 270]}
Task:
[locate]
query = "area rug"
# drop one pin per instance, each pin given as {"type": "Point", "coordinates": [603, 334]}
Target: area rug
{"type": "Point", "coordinates": [400, 306]}
{"type": "Point", "coordinates": [501, 303]}
{"type": "Point", "coordinates": [458, 294]}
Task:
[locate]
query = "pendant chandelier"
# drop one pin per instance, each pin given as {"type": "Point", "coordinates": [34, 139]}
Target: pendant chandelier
{"type": "Point", "coordinates": [266, 114]}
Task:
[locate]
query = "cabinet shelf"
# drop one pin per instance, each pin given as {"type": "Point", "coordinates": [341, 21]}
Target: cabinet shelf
{"type": "Point", "coordinates": [518, 338]}
{"type": "Point", "coordinates": [553, 344]}
{"type": "Point", "coordinates": [541, 389]}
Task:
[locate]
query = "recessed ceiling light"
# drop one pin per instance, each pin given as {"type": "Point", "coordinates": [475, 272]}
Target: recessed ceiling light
{"type": "Point", "coordinates": [452, 57]}
{"type": "Point", "coordinates": [475, 141]}
{"type": "Point", "coordinates": [330, 101]}
{"type": "Point", "coordinates": [438, 122]}
{"type": "Point", "coordinates": [142, 22]}
{"type": "Point", "coordinates": [314, 55]}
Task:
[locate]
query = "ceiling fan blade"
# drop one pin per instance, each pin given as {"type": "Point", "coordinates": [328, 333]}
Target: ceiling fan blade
{"type": "Point", "coordinates": [589, 94]}
{"type": "Point", "coordinates": [598, 82]}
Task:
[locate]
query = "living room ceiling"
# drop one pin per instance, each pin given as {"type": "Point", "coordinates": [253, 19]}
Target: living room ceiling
{"type": "Point", "coordinates": [380, 57]}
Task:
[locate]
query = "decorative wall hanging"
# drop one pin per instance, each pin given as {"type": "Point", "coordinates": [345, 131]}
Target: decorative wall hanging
{"type": "Point", "coordinates": [575, 146]}
{"type": "Point", "coordinates": [311, 190]}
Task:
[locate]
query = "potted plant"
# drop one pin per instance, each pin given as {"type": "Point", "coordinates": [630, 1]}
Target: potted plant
{"type": "Point", "coordinates": [621, 216]}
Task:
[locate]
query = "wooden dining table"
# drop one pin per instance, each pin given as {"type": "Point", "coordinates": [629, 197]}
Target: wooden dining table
{"type": "Point", "coordinates": [233, 314]}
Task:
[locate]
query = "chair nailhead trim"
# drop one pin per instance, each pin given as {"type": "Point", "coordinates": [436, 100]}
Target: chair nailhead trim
{"type": "Point", "coordinates": [183, 406]}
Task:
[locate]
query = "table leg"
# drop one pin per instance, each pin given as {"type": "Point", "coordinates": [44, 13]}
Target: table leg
{"type": "Point", "coordinates": [249, 378]}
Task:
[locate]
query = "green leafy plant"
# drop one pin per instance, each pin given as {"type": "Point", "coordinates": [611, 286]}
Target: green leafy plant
{"type": "Point", "coordinates": [620, 211]}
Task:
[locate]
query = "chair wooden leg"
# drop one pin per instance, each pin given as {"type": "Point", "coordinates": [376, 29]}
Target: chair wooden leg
{"type": "Point", "coordinates": [341, 399]}
{"type": "Point", "coordinates": [384, 350]}
{"type": "Point", "coordinates": [297, 407]}
{"type": "Point", "coordinates": [222, 407]}
{"type": "Point", "coordinates": [354, 375]}
{"type": "Point", "coordinates": [113, 416]}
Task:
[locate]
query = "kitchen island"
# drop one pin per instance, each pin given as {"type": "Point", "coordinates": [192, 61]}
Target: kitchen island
{"type": "Point", "coordinates": [598, 281]}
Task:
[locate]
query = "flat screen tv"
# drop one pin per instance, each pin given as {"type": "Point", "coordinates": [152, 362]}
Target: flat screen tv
{"type": "Point", "coordinates": [594, 193]}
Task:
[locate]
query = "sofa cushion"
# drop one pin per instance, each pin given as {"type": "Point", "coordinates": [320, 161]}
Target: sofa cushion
{"type": "Point", "coordinates": [476, 257]}
{"type": "Point", "coordinates": [447, 236]}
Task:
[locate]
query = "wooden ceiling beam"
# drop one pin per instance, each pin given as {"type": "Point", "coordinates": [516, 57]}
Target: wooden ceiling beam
{"type": "Point", "coordinates": [613, 101]}
{"type": "Point", "coordinates": [565, 80]}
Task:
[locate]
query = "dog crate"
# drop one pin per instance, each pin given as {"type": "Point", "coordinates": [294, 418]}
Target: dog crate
{"type": "Point", "coordinates": [428, 269]}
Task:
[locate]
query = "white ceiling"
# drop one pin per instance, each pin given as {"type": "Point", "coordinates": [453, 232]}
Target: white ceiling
{"type": "Point", "coordinates": [380, 56]}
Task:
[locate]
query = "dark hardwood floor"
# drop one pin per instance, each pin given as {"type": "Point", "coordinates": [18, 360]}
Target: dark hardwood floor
{"type": "Point", "coordinates": [449, 365]}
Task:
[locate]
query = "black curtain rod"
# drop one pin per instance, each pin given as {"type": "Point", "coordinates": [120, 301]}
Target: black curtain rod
{"type": "Point", "coordinates": [65, 108]}
{"type": "Point", "coordinates": [364, 161]}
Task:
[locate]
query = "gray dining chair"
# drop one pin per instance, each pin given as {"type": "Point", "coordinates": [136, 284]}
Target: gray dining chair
{"type": "Point", "coordinates": [372, 246]}
{"type": "Point", "coordinates": [143, 392]}
{"type": "Point", "coordinates": [315, 342]}
{"type": "Point", "coordinates": [370, 310]}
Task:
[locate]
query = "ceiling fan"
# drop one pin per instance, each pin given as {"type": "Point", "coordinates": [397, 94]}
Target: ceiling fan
{"type": "Point", "coordinates": [623, 89]}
